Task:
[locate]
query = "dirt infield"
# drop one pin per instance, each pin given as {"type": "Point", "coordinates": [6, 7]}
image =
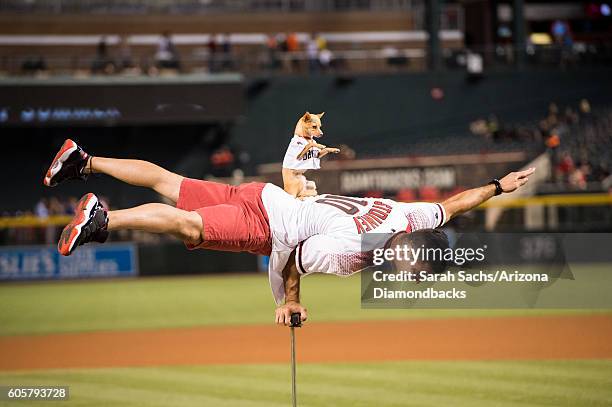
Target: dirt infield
{"type": "Point", "coordinates": [559, 337]}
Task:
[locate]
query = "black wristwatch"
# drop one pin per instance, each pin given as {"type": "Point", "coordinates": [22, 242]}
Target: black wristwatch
{"type": "Point", "coordinates": [498, 188]}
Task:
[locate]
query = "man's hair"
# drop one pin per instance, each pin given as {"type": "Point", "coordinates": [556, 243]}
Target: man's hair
{"type": "Point", "coordinates": [432, 240]}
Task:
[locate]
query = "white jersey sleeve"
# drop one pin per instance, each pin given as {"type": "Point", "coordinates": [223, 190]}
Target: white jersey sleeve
{"type": "Point", "coordinates": [424, 215]}
{"type": "Point", "coordinates": [310, 160]}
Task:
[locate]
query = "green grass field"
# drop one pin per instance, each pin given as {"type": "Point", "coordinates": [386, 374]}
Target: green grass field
{"type": "Point", "coordinates": [40, 308]}
{"type": "Point", "coordinates": [78, 306]}
{"type": "Point", "coordinates": [559, 383]}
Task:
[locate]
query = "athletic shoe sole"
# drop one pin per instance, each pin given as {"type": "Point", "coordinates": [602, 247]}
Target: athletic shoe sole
{"type": "Point", "coordinates": [72, 231]}
{"type": "Point", "coordinates": [68, 148]}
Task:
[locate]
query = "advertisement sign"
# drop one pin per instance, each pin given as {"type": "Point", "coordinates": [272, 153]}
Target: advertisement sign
{"type": "Point", "coordinates": [395, 179]}
{"type": "Point", "coordinates": [44, 262]}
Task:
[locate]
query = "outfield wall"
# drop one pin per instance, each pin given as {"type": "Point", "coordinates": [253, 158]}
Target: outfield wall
{"type": "Point", "coordinates": [171, 258]}
{"type": "Point", "coordinates": [116, 260]}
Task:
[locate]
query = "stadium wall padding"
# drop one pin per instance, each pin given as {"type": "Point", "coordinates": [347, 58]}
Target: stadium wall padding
{"type": "Point", "coordinates": [172, 258]}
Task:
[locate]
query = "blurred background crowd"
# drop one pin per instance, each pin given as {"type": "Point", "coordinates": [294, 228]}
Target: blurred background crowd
{"type": "Point", "coordinates": [310, 39]}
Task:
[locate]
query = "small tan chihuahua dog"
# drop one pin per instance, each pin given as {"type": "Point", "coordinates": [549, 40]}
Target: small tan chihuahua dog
{"type": "Point", "coordinates": [303, 154]}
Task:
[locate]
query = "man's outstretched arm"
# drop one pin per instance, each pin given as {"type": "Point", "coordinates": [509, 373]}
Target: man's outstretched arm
{"type": "Point", "coordinates": [471, 198]}
{"type": "Point", "coordinates": [291, 281]}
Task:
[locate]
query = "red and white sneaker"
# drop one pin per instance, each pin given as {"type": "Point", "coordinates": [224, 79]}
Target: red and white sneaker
{"type": "Point", "coordinates": [88, 225]}
{"type": "Point", "coordinates": [68, 163]}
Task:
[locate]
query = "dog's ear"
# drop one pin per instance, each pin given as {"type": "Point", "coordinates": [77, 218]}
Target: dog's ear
{"type": "Point", "coordinates": [321, 114]}
{"type": "Point", "coordinates": [306, 117]}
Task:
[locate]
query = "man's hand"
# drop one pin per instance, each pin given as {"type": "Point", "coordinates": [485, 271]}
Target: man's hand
{"type": "Point", "coordinates": [283, 313]}
{"type": "Point", "coordinates": [291, 282]}
{"type": "Point", "coordinates": [467, 200]}
{"type": "Point", "coordinates": [515, 179]}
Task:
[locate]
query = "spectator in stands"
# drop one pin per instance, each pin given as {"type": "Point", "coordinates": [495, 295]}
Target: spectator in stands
{"type": "Point", "coordinates": [606, 184]}
{"type": "Point", "coordinates": [375, 193]}
{"type": "Point", "coordinates": [312, 52]}
{"type": "Point", "coordinates": [405, 195]}
{"type": "Point", "coordinates": [281, 42]}
{"type": "Point", "coordinates": [126, 60]}
{"type": "Point", "coordinates": [600, 172]}
{"type": "Point", "coordinates": [346, 153]}
{"type": "Point", "coordinates": [571, 117]}
{"type": "Point", "coordinates": [56, 207]}
{"type": "Point", "coordinates": [429, 193]}
{"type": "Point", "coordinates": [212, 53]}
{"type": "Point", "coordinates": [563, 38]}
{"type": "Point", "coordinates": [225, 45]}
{"type": "Point", "coordinates": [34, 65]}
{"type": "Point", "coordinates": [585, 111]}
{"type": "Point", "coordinates": [394, 57]}
{"type": "Point", "coordinates": [167, 56]}
{"type": "Point", "coordinates": [293, 47]}
{"type": "Point", "coordinates": [560, 30]}
{"type": "Point", "coordinates": [272, 49]}
{"type": "Point", "coordinates": [321, 42]}
{"type": "Point", "coordinates": [70, 205]}
{"type": "Point", "coordinates": [552, 142]}
{"type": "Point", "coordinates": [565, 167]}
{"type": "Point", "coordinates": [493, 127]}
{"type": "Point", "coordinates": [585, 106]}
{"type": "Point", "coordinates": [41, 210]}
{"type": "Point", "coordinates": [325, 59]}
{"type": "Point", "coordinates": [222, 161]}
{"type": "Point", "coordinates": [479, 128]}
{"type": "Point", "coordinates": [102, 63]}
{"type": "Point", "coordinates": [578, 177]}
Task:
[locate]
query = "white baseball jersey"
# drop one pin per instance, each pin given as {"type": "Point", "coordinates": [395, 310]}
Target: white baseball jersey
{"type": "Point", "coordinates": [328, 230]}
{"type": "Point", "coordinates": [309, 161]}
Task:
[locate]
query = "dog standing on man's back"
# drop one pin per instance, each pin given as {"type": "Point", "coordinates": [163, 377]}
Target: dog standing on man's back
{"type": "Point", "coordinates": [303, 154]}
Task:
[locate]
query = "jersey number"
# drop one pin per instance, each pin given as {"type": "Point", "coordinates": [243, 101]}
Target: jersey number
{"type": "Point", "coordinates": [345, 204]}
